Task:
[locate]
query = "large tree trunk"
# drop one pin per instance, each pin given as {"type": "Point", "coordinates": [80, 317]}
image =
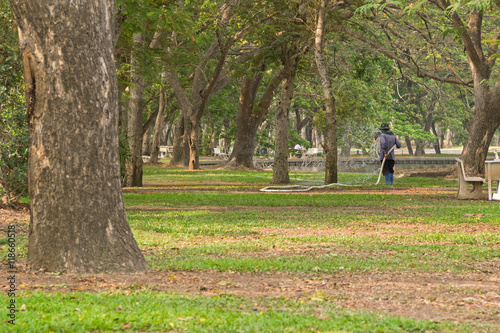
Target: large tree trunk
{"type": "Point", "coordinates": [281, 151]}
{"type": "Point", "coordinates": [244, 144]}
{"type": "Point", "coordinates": [133, 167]}
{"type": "Point", "coordinates": [180, 147]}
{"type": "Point", "coordinates": [331, 172]}
{"type": "Point", "coordinates": [419, 147]}
{"type": "Point", "coordinates": [78, 222]}
{"type": "Point", "coordinates": [483, 126]}
{"type": "Point", "coordinates": [280, 168]}
{"type": "Point", "coordinates": [247, 124]}
{"type": "Point", "coordinates": [250, 116]}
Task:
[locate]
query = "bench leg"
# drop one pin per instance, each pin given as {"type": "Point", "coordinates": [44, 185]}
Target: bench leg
{"type": "Point", "coordinates": [469, 190]}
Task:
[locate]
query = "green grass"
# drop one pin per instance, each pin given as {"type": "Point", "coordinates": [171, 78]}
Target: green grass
{"type": "Point", "coordinates": [265, 199]}
{"type": "Point", "coordinates": [300, 234]}
{"type": "Point", "coordinates": [264, 178]}
{"type": "Point", "coordinates": [242, 217]}
{"type": "Point", "coordinates": [147, 310]}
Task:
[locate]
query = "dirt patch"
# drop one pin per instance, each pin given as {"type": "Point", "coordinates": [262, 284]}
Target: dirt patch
{"type": "Point", "coordinates": [447, 173]}
{"type": "Point", "coordinates": [15, 213]}
{"type": "Point", "coordinates": [383, 230]}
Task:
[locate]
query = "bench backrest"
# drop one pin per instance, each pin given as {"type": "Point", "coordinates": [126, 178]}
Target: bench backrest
{"type": "Point", "coordinates": [495, 170]}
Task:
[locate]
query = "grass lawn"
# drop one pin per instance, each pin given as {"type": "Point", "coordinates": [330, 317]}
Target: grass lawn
{"type": "Point", "coordinates": [226, 257]}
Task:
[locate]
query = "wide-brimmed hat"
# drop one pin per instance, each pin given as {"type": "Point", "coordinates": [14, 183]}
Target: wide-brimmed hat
{"type": "Point", "coordinates": [384, 127]}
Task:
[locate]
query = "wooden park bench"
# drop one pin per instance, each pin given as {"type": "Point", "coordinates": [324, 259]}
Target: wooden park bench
{"type": "Point", "coordinates": [469, 187]}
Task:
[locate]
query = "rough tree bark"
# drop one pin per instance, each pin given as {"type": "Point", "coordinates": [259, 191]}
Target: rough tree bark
{"type": "Point", "coordinates": [250, 116]}
{"type": "Point", "coordinates": [281, 151]}
{"type": "Point", "coordinates": [486, 95]}
{"type": "Point", "coordinates": [78, 222]}
{"type": "Point", "coordinates": [331, 172]}
{"type": "Point", "coordinates": [409, 145]}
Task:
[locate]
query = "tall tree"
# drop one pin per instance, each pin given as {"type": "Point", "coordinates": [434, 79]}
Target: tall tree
{"type": "Point", "coordinates": [290, 59]}
{"type": "Point", "coordinates": [206, 83]}
{"type": "Point", "coordinates": [133, 176]}
{"type": "Point", "coordinates": [326, 85]}
{"type": "Point", "coordinates": [78, 221]}
{"type": "Point", "coordinates": [251, 113]}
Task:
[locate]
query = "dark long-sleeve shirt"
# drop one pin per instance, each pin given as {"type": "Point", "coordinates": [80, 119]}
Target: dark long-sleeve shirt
{"type": "Point", "coordinates": [386, 143]}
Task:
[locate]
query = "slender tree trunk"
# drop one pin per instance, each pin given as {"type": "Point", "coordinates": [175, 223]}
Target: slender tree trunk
{"type": "Point", "coordinates": [193, 141]}
{"type": "Point", "coordinates": [408, 145]}
{"type": "Point", "coordinates": [155, 144]}
{"type": "Point", "coordinates": [146, 142]}
{"type": "Point", "coordinates": [281, 151]}
{"type": "Point", "coordinates": [133, 175]}
{"type": "Point", "coordinates": [331, 172]}
{"type": "Point", "coordinates": [437, 142]}
{"type": "Point", "coordinates": [300, 123]}
{"type": "Point", "coordinates": [78, 222]}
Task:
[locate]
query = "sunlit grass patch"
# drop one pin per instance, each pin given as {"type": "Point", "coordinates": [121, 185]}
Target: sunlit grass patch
{"type": "Point", "coordinates": [160, 311]}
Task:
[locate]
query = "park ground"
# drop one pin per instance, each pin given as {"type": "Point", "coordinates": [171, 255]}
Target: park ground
{"type": "Point", "coordinates": [411, 252]}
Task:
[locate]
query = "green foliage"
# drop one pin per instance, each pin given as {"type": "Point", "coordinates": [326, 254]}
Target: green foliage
{"type": "Point", "coordinates": [295, 138]}
{"type": "Point", "coordinates": [13, 146]}
{"type": "Point", "coordinates": [14, 137]}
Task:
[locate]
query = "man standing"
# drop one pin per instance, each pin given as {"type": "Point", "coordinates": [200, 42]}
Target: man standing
{"type": "Point", "coordinates": [387, 141]}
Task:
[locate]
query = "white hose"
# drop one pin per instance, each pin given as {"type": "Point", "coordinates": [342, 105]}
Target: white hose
{"type": "Point", "coordinates": [299, 188]}
{"type": "Point", "coordinates": [383, 162]}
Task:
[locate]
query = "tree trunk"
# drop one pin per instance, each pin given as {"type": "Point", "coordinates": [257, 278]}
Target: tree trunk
{"type": "Point", "coordinates": [250, 116]}
{"type": "Point", "coordinates": [419, 147]}
{"type": "Point", "coordinates": [244, 144]}
{"type": "Point", "coordinates": [133, 167]}
{"type": "Point", "coordinates": [437, 146]}
{"type": "Point", "coordinates": [331, 172]}
{"type": "Point", "coordinates": [281, 150]}
{"type": "Point", "coordinates": [78, 222]}
{"type": "Point", "coordinates": [484, 124]}
{"type": "Point", "coordinates": [280, 168]}
{"type": "Point", "coordinates": [408, 145]}
{"type": "Point", "coordinates": [155, 144]}
{"type": "Point", "coordinates": [193, 141]}
{"type": "Point", "coordinates": [247, 124]}
{"type": "Point", "coordinates": [180, 150]}
{"type": "Point", "coordinates": [146, 142]}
